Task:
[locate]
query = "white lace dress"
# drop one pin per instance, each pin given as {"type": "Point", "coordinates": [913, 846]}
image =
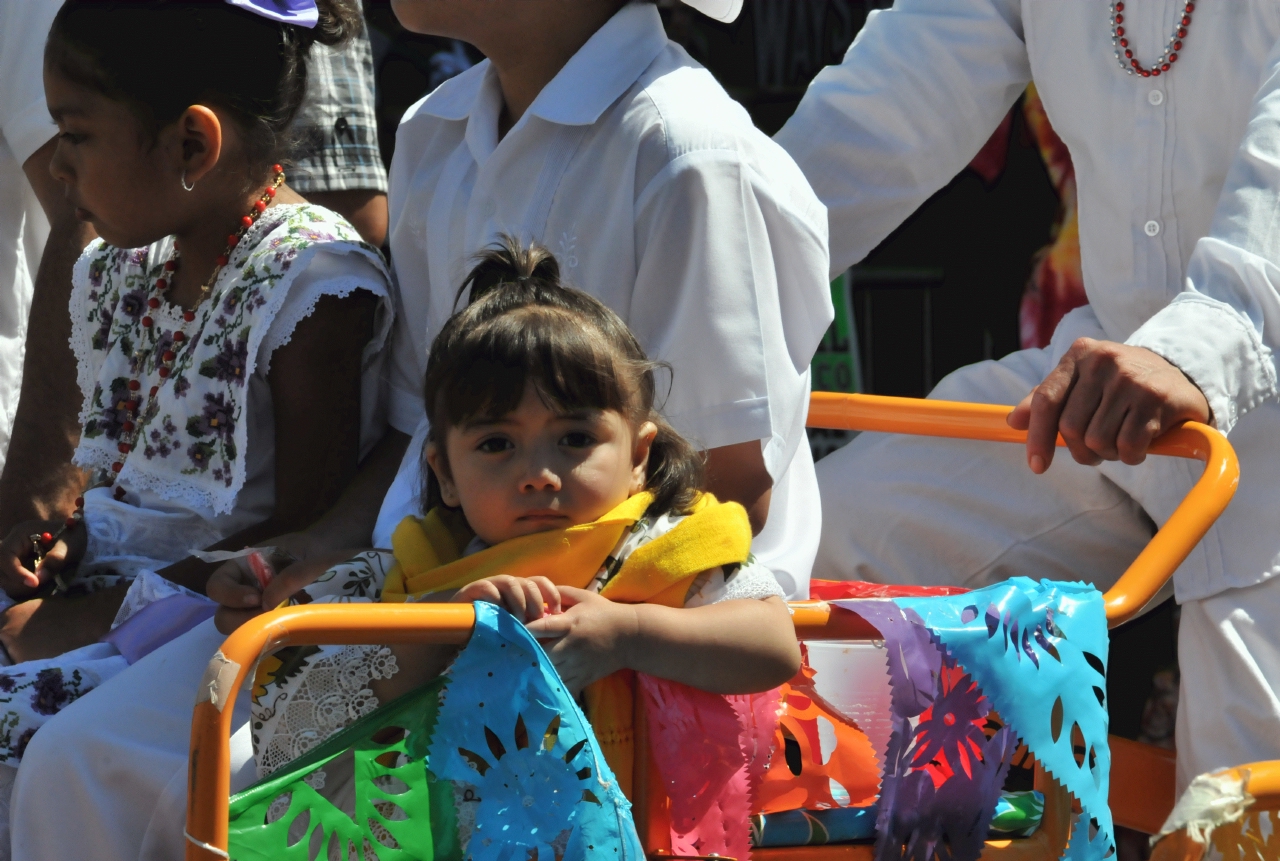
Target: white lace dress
{"type": "Point", "coordinates": [204, 465]}
{"type": "Point", "coordinates": [306, 694]}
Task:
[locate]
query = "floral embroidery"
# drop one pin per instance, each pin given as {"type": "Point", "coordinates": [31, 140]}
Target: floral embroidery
{"type": "Point", "coordinates": [229, 365]}
{"type": "Point", "coordinates": [194, 431]}
{"type": "Point", "coordinates": [47, 693]}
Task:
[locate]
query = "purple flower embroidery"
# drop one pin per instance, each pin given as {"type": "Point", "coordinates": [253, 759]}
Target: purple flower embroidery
{"type": "Point", "coordinates": [201, 453]}
{"type": "Point", "coordinates": [6, 684]}
{"type": "Point", "coordinates": [217, 419]}
{"type": "Point", "coordinates": [97, 269]}
{"type": "Point", "coordinates": [20, 748]}
{"type": "Point", "coordinates": [181, 385]}
{"type": "Point", "coordinates": [49, 695]}
{"type": "Point", "coordinates": [103, 336]}
{"type": "Point", "coordinates": [230, 363]}
{"type": "Point", "coordinates": [133, 303]}
{"type": "Point", "coordinates": [113, 416]}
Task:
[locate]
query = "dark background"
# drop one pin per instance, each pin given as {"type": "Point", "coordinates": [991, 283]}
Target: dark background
{"type": "Point", "coordinates": [967, 252]}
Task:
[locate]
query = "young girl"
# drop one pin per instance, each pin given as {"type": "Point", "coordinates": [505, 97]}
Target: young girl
{"type": "Point", "coordinates": [224, 330]}
{"type": "Point", "coordinates": [557, 490]}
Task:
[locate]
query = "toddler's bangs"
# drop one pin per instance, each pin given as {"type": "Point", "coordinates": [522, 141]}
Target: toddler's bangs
{"type": "Point", "coordinates": [571, 365]}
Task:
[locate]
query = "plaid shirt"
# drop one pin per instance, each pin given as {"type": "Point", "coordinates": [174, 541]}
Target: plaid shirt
{"type": "Point", "coordinates": [337, 125]}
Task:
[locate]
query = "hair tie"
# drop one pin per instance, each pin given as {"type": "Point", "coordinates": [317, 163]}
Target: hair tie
{"type": "Point", "coordinates": [300, 13]}
{"type": "Point", "coordinates": [522, 279]}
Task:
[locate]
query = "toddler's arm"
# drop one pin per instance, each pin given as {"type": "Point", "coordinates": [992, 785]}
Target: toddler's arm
{"type": "Point", "coordinates": [733, 647]}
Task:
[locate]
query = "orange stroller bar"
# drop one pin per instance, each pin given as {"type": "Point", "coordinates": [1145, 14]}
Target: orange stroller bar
{"type": "Point", "coordinates": [1166, 550]}
{"type": "Point", "coordinates": [209, 774]}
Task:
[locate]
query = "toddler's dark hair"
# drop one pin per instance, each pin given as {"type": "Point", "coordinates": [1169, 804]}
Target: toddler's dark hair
{"type": "Point", "coordinates": [522, 326]}
{"type": "Point", "coordinates": [159, 57]}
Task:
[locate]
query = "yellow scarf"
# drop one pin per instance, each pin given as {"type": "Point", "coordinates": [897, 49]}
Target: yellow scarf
{"type": "Point", "coordinates": [428, 553]}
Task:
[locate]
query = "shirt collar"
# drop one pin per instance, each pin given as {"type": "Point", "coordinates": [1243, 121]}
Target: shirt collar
{"type": "Point", "coordinates": [455, 99]}
{"type": "Point", "coordinates": [603, 69]}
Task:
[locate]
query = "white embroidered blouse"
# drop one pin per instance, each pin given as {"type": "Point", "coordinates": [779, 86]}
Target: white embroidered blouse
{"type": "Point", "coordinates": [204, 465]}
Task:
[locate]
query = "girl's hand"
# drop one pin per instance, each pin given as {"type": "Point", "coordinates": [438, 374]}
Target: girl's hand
{"type": "Point", "coordinates": [522, 597]}
{"type": "Point", "coordinates": [238, 595]}
{"type": "Point", "coordinates": [234, 586]}
{"type": "Point", "coordinates": [20, 576]}
{"type": "Point", "coordinates": [590, 639]}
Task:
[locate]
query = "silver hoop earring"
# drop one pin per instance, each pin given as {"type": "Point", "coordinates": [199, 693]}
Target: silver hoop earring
{"type": "Point", "coordinates": [184, 183]}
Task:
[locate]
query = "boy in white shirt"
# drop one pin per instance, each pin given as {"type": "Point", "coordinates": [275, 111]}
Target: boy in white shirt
{"type": "Point", "coordinates": [587, 131]}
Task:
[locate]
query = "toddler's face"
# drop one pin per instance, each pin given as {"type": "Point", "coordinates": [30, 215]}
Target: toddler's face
{"type": "Point", "coordinates": [538, 469]}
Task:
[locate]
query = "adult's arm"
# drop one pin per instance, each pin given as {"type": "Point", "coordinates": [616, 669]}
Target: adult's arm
{"type": "Point", "coordinates": [39, 481]}
{"type": "Point", "coordinates": [918, 93]}
{"type": "Point", "coordinates": [1209, 355]}
{"type": "Point", "coordinates": [1221, 331]}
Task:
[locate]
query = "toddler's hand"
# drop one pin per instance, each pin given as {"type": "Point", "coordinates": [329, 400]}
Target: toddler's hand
{"type": "Point", "coordinates": [522, 597]}
{"type": "Point", "coordinates": [589, 640]}
{"type": "Point", "coordinates": [20, 576]}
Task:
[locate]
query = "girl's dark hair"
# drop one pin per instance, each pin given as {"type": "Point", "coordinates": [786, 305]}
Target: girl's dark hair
{"type": "Point", "coordinates": [522, 326]}
{"type": "Point", "coordinates": [159, 57]}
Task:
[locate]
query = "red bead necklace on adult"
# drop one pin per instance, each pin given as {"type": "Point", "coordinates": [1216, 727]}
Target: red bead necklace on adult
{"type": "Point", "coordinates": [1124, 54]}
{"type": "Point", "coordinates": [150, 335]}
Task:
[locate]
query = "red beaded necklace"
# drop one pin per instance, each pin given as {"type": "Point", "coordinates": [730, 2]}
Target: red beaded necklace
{"type": "Point", "coordinates": [1124, 54]}
{"type": "Point", "coordinates": [135, 418]}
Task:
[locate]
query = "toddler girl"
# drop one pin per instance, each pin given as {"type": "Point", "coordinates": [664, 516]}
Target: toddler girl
{"type": "Point", "coordinates": [557, 490]}
{"type": "Point", "coordinates": [225, 331]}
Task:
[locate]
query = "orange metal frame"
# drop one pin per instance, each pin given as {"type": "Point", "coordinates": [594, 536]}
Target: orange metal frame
{"type": "Point", "coordinates": [209, 776]}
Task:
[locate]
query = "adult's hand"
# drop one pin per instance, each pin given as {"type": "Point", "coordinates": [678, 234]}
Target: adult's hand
{"type": "Point", "coordinates": [1109, 401]}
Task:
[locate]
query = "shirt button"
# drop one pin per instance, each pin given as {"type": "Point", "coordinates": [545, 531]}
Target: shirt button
{"type": "Point", "coordinates": [1152, 228]}
{"type": "Point", "coordinates": [1155, 97]}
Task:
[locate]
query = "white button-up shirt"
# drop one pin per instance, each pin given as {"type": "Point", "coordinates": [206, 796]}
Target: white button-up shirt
{"type": "Point", "coordinates": [1178, 175]}
{"type": "Point", "coordinates": [658, 196]}
{"type": "Point", "coordinates": [25, 126]}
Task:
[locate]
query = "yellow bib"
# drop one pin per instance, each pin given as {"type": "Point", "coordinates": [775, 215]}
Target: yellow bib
{"type": "Point", "coordinates": [428, 553]}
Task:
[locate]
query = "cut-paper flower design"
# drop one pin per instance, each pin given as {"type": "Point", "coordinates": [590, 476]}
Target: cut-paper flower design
{"type": "Point", "coordinates": [527, 792]}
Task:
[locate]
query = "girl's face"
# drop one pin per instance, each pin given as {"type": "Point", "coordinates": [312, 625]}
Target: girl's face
{"type": "Point", "coordinates": [116, 181]}
{"type": "Point", "coordinates": [538, 469]}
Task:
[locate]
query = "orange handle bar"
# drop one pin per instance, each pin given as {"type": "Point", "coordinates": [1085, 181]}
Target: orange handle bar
{"type": "Point", "coordinates": [209, 769]}
{"type": "Point", "coordinates": [1166, 550]}
{"type": "Point", "coordinates": [1262, 781]}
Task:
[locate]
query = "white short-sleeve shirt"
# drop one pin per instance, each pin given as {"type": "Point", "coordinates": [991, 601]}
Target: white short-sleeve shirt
{"type": "Point", "coordinates": [25, 126]}
{"type": "Point", "coordinates": [657, 195]}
